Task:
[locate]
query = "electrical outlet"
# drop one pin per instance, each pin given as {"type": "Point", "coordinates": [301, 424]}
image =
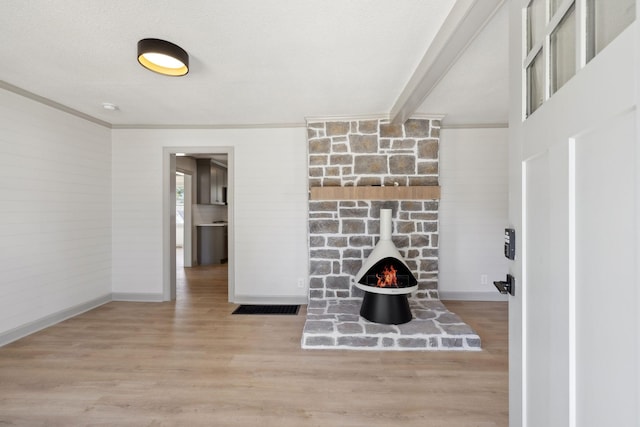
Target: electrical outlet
{"type": "Point", "coordinates": [301, 283]}
{"type": "Point", "coordinates": [484, 279]}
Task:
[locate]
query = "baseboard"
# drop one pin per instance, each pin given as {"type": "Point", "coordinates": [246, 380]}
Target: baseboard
{"type": "Point", "coordinates": [253, 299]}
{"type": "Point", "coordinates": [137, 297]}
{"type": "Point", "coordinates": [472, 296]}
{"type": "Point", "coordinates": [50, 320]}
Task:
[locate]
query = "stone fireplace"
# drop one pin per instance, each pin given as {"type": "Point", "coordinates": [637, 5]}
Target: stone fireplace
{"type": "Point", "coordinates": [357, 168]}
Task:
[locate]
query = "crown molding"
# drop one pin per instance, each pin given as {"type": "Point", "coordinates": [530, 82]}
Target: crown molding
{"type": "Point", "coordinates": [220, 126]}
{"type": "Point", "coordinates": [53, 104]}
{"type": "Point", "coordinates": [477, 126]}
{"type": "Point", "coordinates": [385, 117]}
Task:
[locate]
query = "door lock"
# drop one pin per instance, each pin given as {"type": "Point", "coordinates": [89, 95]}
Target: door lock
{"type": "Point", "coordinates": [506, 287]}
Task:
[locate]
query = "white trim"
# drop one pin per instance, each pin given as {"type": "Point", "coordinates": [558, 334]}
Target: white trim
{"type": "Point", "coordinates": [472, 296]}
{"type": "Point", "coordinates": [267, 299]}
{"type": "Point", "coordinates": [211, 126]}
{"type": "Point", "coordinates": [53, 104]}
{"type": "Point", "coordinates": [385, 117]}
{"type": "Point", "coordinates": [476, 126]}
{"type": "Point", "coordinates": [52, 319]}
{"type": "Point", "coordinates": [523, 291]}
{"type": "Point", "coordinates": [137, 297]}
{"type": "Point", "coordinates": [572, 285]}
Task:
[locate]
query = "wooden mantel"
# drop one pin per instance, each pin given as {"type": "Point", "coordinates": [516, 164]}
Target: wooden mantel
{"type": "Point", "coordinates": [431, 192]}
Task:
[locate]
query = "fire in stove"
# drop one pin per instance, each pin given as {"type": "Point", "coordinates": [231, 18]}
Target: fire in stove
{"type": "Point", "coordinates": [388, 277]}
{"type": "Point", "coordinates": [389, 272]}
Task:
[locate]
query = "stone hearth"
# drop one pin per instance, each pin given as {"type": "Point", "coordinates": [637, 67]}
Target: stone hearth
{"type": "Point", "coordinates": [342, 233]}
{"type": "Point", "coordinates": [336, 323]}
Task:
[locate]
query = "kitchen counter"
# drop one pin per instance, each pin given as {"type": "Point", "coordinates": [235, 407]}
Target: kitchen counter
{"type": "Point", "coordinates": [212, 243]}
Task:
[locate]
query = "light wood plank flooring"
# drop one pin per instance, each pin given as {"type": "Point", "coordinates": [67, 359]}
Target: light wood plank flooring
{"type": "Point", "coordinates": [191, 363]}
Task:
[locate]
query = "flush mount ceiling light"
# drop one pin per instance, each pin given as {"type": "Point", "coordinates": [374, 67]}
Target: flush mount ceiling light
{"type": "Point", "coordinates": [163, 57]}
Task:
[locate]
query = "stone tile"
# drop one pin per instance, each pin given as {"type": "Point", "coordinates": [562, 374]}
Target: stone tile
{"type": "Point", "coordinates": [316, 293]}
{"type": "Point", "coordinates": [347, 317]}
{"type": "Point", "coordinates": [349, 328]}
{"type": "Point", "coordinates": [429, 265]}
{"type": "Point", "coordinates": [324, 226]}
{"type": "Point", "coordinates": [357, 341]}
{"type": "Point", "coordinates": [424, 314]}
{"type": "Point", "coordinates": [337, 282]}
{"type": "Point", "coordinates": [337, 242]}
{"type": "Point", "coordinates": [331, 182]}
{"type": "Point", "coordinates": [320, 341]}
{"type": "Point", "coordinates": [323, 206]}
{"type": "Point", "coordinates": [318, 326]}
{"type": "Point", "coordinates": [368, 126]}
{"type": "Point", "coordinates": [363, 143]}
{"type": "Point", "coordinates": [403, 144]}
{"type": "Point", "coordinates": [388, 342]}
{"type": "Point", "coordinates": [353, 226]}
{"type": "Point", "coordinates": [412, 342]}
{"type": "Point", "coordinates": [419, 240]}
{"type": "Point", "coordinates": [473, 342]}
{"type": "Point", "coordinates": [319, 268]}
{"type": "Point", "coordinates": [345, 307]}
{"type": "Point", "coordinates": [354, 213]}
{"type": "Point", "coordinates": [428, 168]}
{"type": "Point", "coordinates": [451, 342]}
{"type": "Point", "coordinates": [370, 165]}
{"type": "Point", "coordinates": [320, 146]}
{"type": "Point", "coordinates": [315, 303]}
{"type": "Point", "coordinates": [337, 128]}
{"type": "Point", "coordinates": [377, 328]}
{"type": "Point", "coordinates": [424, 180]}
{"type": "Point", "coordinates": [449, 317]}
{"type": "Point", "coordinates": [318, 160]}
{"type": "Point", "coordinates": [325, 253]}
{"type": "Point", "coordinates": [390, 131]}
{"type": "Point", "coordinates": [418, 128]}
{"type": "Point", "coordinates": [428, 149]}
{"type": "Point", "coordinates": [414, 327]}
{"type": "Point", "coordinates": [462, 329]}
{"type": "Point", "coordinates": [402, 165]}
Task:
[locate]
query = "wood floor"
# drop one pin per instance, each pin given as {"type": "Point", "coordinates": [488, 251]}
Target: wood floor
{"type": "Point", "coordinates": [191, 363]}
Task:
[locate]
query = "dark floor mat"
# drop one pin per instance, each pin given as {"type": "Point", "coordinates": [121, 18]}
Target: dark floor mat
{"type": "Point", "coordinates": [267, 309]}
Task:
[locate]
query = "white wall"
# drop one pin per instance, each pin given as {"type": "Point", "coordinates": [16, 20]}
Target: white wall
{"type": "Point", "coordinates": [55, 215]}
{"type": "Point", "coordinates": [270, 205]}
{"type": "Point", "coordinates": [473, 212]}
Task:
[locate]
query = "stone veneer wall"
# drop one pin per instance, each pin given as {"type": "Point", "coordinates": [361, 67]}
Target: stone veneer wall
{"type": "Point", "coordinates": [343, 233]}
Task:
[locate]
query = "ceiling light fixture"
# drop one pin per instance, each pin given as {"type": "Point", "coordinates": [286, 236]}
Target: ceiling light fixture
{"type": "Point", "coordinates": [163, 57]}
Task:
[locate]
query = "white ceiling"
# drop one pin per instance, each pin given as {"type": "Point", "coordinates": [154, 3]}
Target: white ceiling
{"type": "Point", "coordinates": [253, 62]}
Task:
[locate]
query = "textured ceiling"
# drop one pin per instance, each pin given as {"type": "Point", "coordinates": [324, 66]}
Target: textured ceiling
{"type": "Point", "coordinates": [252, 62]}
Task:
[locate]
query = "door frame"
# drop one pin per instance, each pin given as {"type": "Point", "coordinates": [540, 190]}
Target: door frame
{"type": "Point", "coordinates": [169, 216]}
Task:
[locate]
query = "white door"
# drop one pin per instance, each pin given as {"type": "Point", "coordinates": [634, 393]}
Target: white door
{"type": "Point", "coordinates": [574, 337]}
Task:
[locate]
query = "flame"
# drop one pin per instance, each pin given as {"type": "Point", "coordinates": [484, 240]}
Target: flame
{"type": "Point", "coordinates": [388, 277]}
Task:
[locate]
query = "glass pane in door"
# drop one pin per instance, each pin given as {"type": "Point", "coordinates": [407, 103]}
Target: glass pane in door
{"type": "Point", "coordinates": [563, 51]}
{"type": "Point", "coordinates": [606, 19]}
{"type": "Point", "coordinates": [535, 84]}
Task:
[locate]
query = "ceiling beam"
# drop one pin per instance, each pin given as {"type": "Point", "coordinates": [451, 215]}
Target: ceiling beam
{"type": "Point", "coordinates": [465, 21]}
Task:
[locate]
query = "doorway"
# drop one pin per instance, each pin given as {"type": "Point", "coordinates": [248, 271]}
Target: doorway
{"type": "Point", "coordinates": [170, 213]}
